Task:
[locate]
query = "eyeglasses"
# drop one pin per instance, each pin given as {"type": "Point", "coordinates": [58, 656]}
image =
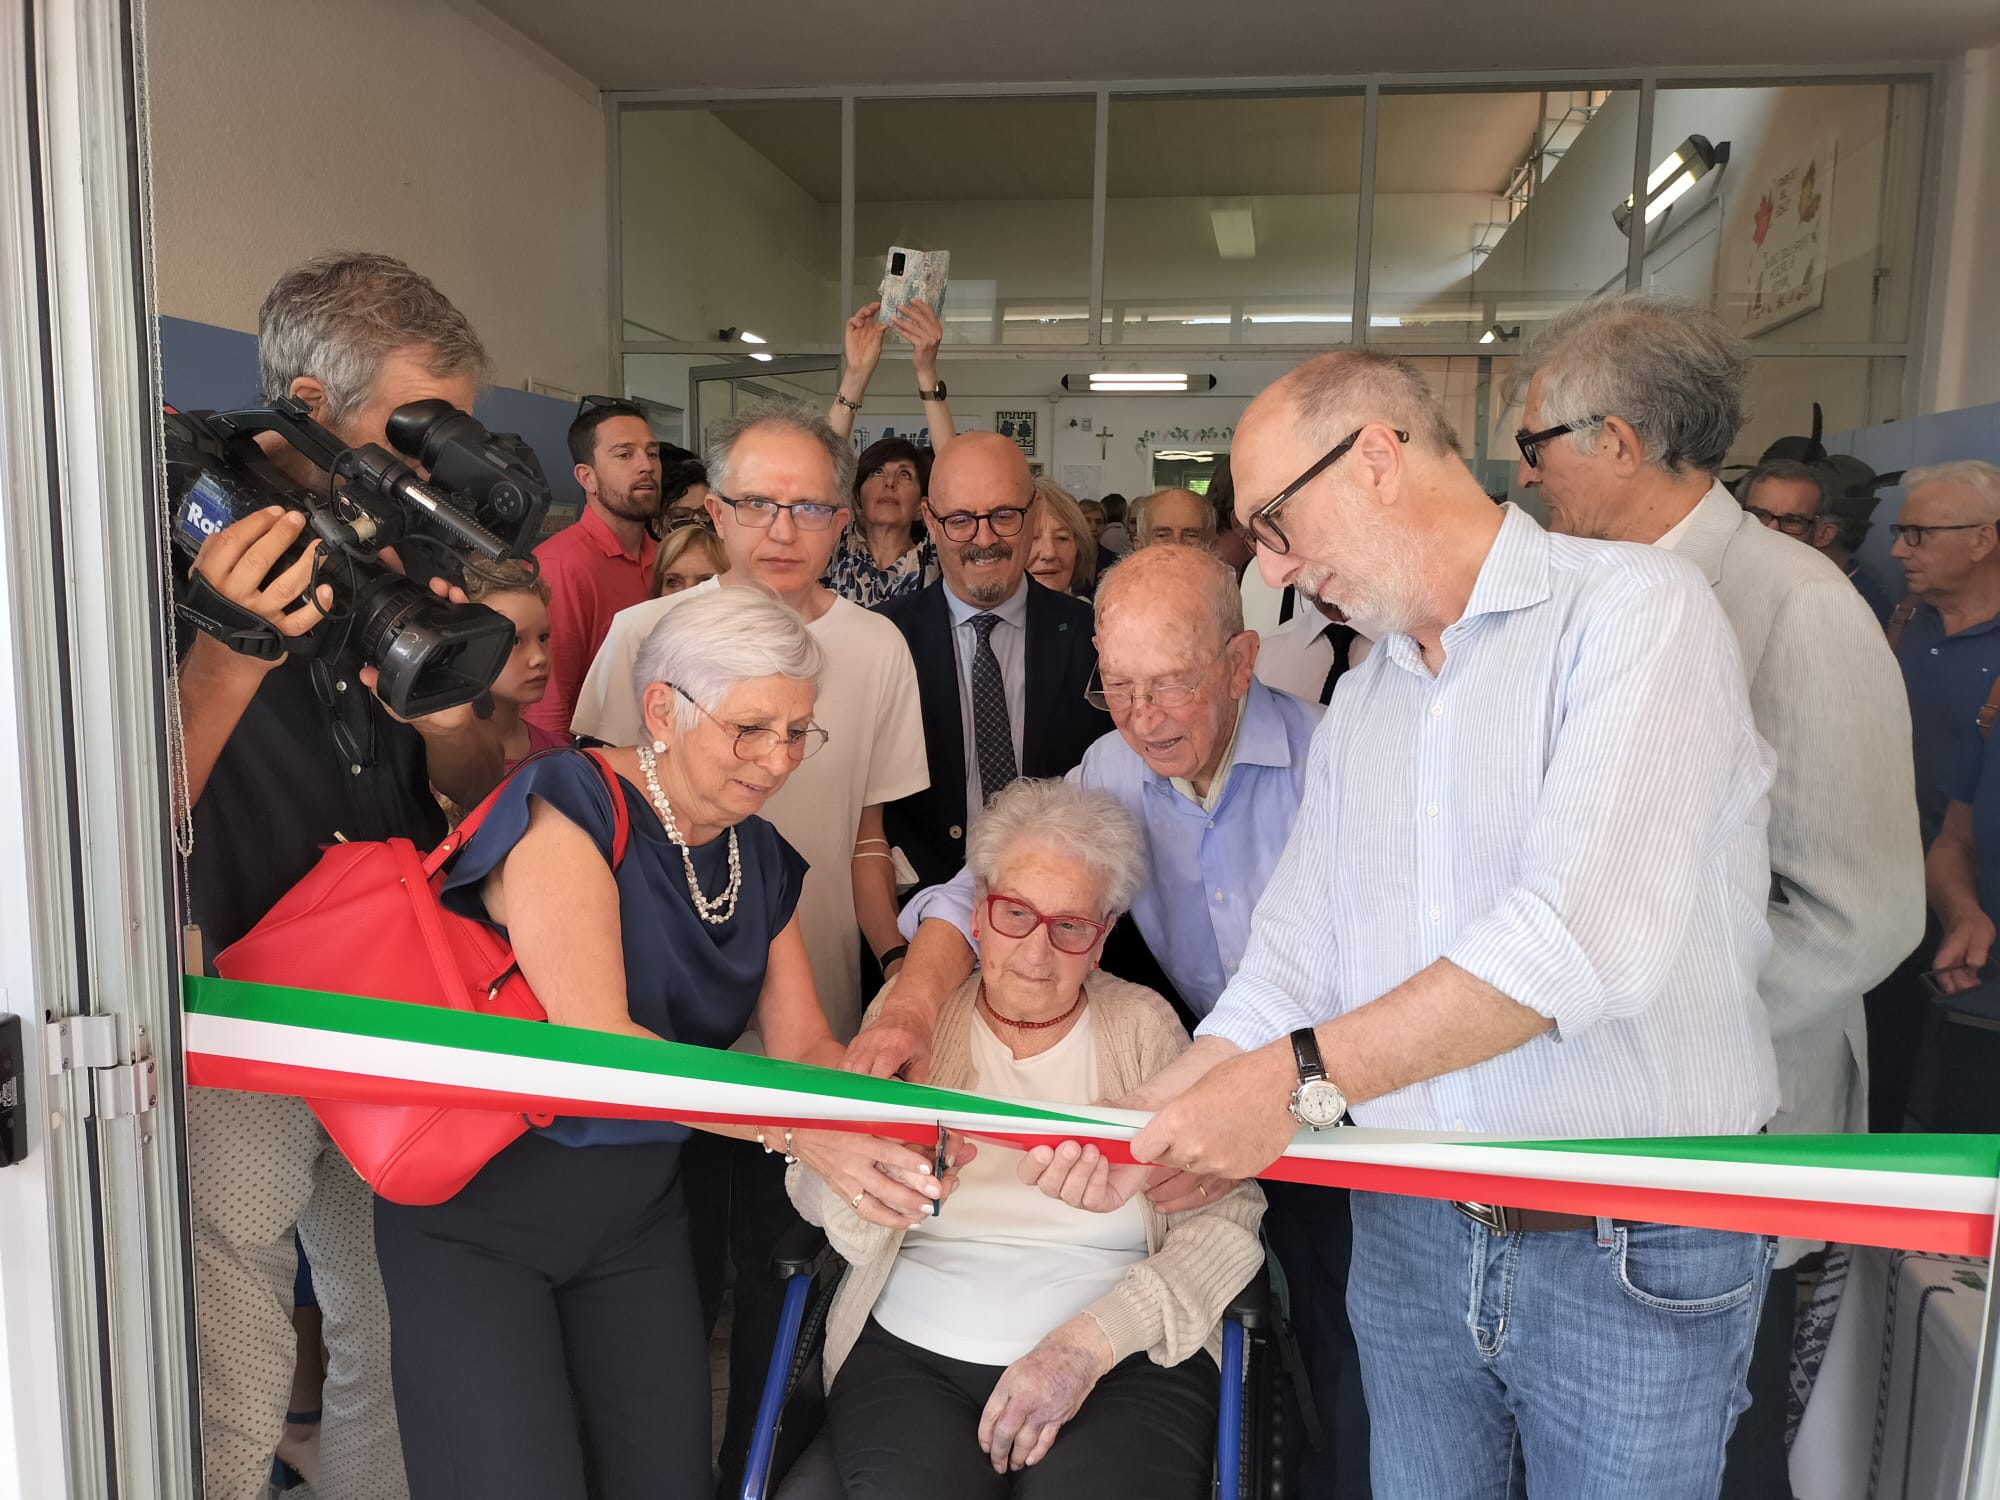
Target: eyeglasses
{"type": "Point", "coordinates": [963, 525]}
{"type": "Point", "coordinates": [1118, 697]}
{"type": "Point", "coordinates": [1014, 918]}
{"type": "Point", "coordinates": [617, 403]}
{"type": "Point", "coordinates": [1530, 442]}
{"type": "Point", "coordinates": [1264, 529]}
{"type": "Point", "coordinates": [756, 511]}
{"type": "Point", "coordinates": [1915, 535]}
{"type": "Point", "coordinates": [1192, 536]}
{"type": "Point", "coordinates": [1789, 524]}
{"type": "Point", "coordinates": [357, 750]}
{"type": "Point", "coordinates": [754, 742]}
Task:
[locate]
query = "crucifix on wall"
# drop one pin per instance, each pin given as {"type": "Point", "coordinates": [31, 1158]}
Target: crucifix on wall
{"type": "Point", "coordinates": [1104, 437]}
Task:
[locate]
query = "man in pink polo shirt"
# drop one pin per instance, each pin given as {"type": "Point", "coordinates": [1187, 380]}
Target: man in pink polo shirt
{"type": "Point", "coordinates": [604, 562]}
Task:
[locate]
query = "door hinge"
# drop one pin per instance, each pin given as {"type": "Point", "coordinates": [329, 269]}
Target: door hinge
{"type": "Point", "coordinates": [121, 1086]}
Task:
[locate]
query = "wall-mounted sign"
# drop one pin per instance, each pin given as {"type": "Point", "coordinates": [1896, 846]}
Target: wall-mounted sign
{"type": "Point", "coordinates": [1018, 425]}
{"type": "Point", "coordinates": [1790, 235]}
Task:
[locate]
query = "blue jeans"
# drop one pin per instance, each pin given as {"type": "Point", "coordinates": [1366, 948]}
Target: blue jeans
{"type": "Point", "coordinates": [1563, 1366]}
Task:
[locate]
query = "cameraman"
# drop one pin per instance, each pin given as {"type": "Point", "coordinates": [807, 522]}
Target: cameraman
{"type": "Point", "coordinates": [282, 758]}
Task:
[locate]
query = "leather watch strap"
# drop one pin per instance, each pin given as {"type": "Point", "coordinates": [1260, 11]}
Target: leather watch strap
{"type": "Point", "coordinates": [1305, 1052]}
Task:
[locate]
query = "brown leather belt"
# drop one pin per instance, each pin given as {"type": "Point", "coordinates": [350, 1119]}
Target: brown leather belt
{"type": "Point", "coordinates": [1501, 1220]}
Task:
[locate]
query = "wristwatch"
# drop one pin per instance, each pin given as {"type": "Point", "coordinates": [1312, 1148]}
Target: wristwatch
{"type": "Point", "coordinates": [1317, 1102]}
{"type": "Point", "coordinates": [935, 394]}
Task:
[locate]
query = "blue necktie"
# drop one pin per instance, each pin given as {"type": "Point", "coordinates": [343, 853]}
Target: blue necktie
{"type": "Point", "coordinates": [992, 730]}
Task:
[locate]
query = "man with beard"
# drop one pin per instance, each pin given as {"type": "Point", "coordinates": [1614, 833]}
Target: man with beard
{"type": "Point", "coordinates": [1002, 662]}
{"type": "Point", "coordinates": [1525, 895]}
{"type": "Point", "coordinates": [604, 562]}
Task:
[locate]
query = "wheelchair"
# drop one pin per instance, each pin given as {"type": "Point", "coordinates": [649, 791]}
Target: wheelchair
{"type": "Point", "coordinates": [791, 1457]}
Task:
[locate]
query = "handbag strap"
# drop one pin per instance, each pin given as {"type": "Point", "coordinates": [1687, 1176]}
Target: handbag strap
{"type": "Point", "coordinates": [621, 817]}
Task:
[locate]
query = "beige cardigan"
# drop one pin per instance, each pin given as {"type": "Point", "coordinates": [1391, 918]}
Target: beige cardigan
{"type": "Point", "coordinates": [1170, 1304]}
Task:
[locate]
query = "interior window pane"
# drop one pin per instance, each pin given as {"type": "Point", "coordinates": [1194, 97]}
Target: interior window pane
{"type": "Point", "coordinates": [730, 222]}
{"type": "Point", "coordinates": [1231, 219]}
{"type": "Point", "coordinates": [1005, 186]}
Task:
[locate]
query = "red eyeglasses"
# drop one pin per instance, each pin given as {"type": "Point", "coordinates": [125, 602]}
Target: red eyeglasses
{"type": "Point", "coordinates": [1012, 917]}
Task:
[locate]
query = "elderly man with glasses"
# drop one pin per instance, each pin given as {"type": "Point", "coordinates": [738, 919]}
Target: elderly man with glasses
{"type": "Point", "coordinates": [779, 480]}
{"type": "Point", "coordinates": [1524, 895]}
{"type": "Point", "coordinates": [1002, 662]}
{"type": "Point", "coordinates": [1638, 399]}
{"type": "Point", "coordinates": [1212, 762]}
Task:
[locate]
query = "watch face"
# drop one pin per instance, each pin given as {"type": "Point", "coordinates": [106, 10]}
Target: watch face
{"type": "Point", "coordinates": [1318, 1104]}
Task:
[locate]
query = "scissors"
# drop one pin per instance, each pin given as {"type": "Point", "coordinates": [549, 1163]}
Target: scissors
{"type": "Point", "coordinates": [939, 1166]}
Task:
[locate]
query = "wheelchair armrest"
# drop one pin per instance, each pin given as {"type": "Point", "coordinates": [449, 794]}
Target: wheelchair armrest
{"type": "Point", "coordinates": [799, 1250]}
{"type": "Point", "coordinates": [1252, 1305]}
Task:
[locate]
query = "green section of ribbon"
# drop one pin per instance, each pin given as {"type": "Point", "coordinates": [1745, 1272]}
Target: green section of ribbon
{"type": "Point", "coordinates": [355, 1015]}
{"type": "Point", "coordinates": [1930, 1155]}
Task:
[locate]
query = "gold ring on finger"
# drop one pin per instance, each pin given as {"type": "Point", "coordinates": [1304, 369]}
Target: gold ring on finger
{"type": "Point", "coordinates": [856, 1199]}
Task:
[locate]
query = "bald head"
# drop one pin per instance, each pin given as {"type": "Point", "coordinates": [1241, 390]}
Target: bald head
{"type": "Point", "coordinates": [979, 470]}
{"type": "Point", "coordinates": [980, 517]}
{"type": "Point", "coordinates": [1171, 586]}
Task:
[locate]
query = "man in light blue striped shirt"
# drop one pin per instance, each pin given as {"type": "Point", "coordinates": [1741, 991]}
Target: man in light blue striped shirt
{"type": "Point", "coordinates": [1525, 895]}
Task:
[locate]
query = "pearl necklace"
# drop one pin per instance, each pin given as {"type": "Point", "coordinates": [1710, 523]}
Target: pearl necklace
{"type": "Point", "coordinates": [723, 907]}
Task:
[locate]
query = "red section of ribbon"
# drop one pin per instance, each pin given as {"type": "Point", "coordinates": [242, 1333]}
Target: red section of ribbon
{"type": "Point", "coordinates": [1933, 1230]}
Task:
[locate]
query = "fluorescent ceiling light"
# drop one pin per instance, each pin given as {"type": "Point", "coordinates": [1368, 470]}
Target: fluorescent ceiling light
{"type": "Point", "coordinates": [1673, 178]}
{"type": "Point", "coordinates": [1099, 387]}
{"type": "Point", "coordinates": [1298, 318]}
{"type": "Point", "coordinates": [1486, 337]}
{"type": "Point", "coordinates": [752, 338]}
{"type": "Point", "coordinates": [1139, 377]}
{"type": "Point", "coordinates": [1235, 231]}
{"type": "Point", "coordinates": [762, 358]}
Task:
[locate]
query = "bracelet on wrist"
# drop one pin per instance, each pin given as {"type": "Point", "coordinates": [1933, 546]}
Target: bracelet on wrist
{"type": "Point", "coordinates": [841, 397]}
{"type": "Point", "coordinates": [901, 950]}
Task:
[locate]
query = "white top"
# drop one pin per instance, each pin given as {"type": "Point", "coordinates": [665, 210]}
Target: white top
{"type": "Point", "coordinates": [1671, 537]}
{"type": "Point", "coordinates": [1262, 603]}
{"type": "Point", "coordinates": [1296, 656]}
{"type": "Point", "coordinates": [874, 753]}
{"type": "Point", "coordinates": [1003, 1264]}
{"type": "Point", "coordinates": [1525, 813]}
{"type": "Point", "coordinates": [1010, 649]}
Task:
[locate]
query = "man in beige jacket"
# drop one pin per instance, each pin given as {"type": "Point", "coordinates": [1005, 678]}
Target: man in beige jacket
{"type": "Point", "coordinates": [1632, 404]}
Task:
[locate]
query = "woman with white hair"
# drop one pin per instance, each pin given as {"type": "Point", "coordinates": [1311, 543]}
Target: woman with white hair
{"type": "Point", "coordinates": [547, 1336]}
{"type": "Point", "coordinates": [1010, 1344]}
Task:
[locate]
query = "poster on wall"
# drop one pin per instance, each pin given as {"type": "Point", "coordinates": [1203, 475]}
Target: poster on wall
{"type": "Point", "coordinates": [1790, 235]}
{"type": "Point", "coordinates": [1018, 425]}
{"type": "Point", "coordinates": [911, 428]}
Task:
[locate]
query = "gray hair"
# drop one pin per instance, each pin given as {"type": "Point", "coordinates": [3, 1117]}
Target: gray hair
{"type": "Point", "coordinates": [719, 443]}
{"type": "Point", "coordinates": [719, 637]}
{"type": "Point", "coordinates": [1214, 579]}
{"type": "Point", "coordinates": [1336, 393]}
{"type": "Point", "coordinates": [1665, 364]}
{"type": "Point", "coordinates": [1142, 509]}
{"type": "Point", "coordinates": [1982, 478]}
{"type": "Point", "coordinates": [1093, 828]}
{"type": "Point", "coordinates": [337, 317]}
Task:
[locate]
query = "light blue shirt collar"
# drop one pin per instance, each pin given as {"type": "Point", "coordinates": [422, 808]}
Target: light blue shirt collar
{"type": "Point", "coordinates": [1013, 609]}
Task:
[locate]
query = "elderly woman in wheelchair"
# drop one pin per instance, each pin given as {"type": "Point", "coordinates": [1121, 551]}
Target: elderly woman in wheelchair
{"type": "Point", "coordinates": [1008, 1344]}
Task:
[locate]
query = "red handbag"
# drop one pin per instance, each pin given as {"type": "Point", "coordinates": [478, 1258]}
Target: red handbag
{"type": "Point", "coordinates": [368, 921]}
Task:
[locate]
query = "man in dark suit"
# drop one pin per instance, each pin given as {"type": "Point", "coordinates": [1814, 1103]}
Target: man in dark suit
{"type": "Point", "coordinates": [1002, 663]}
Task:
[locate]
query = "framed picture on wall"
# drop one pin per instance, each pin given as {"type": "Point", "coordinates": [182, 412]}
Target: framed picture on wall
{"type": "Point", "coordinates": [1018, 425]}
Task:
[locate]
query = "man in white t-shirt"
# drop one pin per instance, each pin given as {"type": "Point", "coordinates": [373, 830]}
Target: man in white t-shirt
{"type": "Point", "coordinates": [779, 480]}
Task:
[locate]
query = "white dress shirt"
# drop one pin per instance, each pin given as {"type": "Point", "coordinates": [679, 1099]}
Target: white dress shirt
{"type": "Point", "coordinates": [1296, 656]}
{"type": "Point", "coordinates": [1010, 648]}
{"type": "Point", "coordinates": [1572, 810]}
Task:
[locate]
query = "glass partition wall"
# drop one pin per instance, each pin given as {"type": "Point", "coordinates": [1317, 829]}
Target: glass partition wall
{"type": "Point", "coordinates": [1131, 229]}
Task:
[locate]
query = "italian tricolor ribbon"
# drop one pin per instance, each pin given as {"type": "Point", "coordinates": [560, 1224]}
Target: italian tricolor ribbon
{"type": "Point", "coordinates": [1912, 1192]}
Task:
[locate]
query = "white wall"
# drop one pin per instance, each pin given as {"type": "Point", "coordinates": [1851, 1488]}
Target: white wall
{"type": "Point", "coordinates": [1965, 290]}
{"type": "Point", "coordinates": [284, 128]}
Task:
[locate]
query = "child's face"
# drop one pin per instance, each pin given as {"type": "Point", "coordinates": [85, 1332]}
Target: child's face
{"type": "Point", "coordinates": [526, 676]}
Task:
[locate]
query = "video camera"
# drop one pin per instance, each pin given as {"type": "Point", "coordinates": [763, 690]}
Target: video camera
{"type": "Point", "coordinates": [482, 504]}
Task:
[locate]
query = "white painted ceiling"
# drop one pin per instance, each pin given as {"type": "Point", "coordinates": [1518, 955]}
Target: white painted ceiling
{"type": "Point", "coordinates": [647, 44]}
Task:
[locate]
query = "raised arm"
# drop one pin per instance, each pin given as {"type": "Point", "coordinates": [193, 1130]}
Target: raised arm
{"type": "Point", "coordinates": [924, 331]}
{"type": "Point", "coordinates": [861, 341]}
